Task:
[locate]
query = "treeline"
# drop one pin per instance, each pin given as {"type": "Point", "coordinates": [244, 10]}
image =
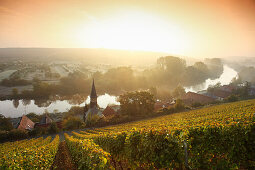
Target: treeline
{"type": "Point", "coordinates": [168, 73]}
{"type": "Point", "coordinates": [14, 82]}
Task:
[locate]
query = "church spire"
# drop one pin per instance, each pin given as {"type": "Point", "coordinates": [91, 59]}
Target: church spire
{"type": "Point", "coordinates": [93, 96]}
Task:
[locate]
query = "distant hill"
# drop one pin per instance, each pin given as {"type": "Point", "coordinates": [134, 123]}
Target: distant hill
{"type": "Point", "coordinates": [86, 55]}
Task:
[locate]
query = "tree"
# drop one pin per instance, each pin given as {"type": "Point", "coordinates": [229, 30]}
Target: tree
{"type": "Point", "coordinates": [232, 98]}
{"type": "Point", "coordinates": [178, 92]}
{"type": "Point", "coordinates": [34, 117]}
{"type": "Point", "coordinates": [172, 64]}
{"type": "Point", "coordinates": [137, 103]}
{"type": "Point", "coordinates": [72, 123]}
{"type": "Point", "coordinates": [53, 128]}
{"type": "Point", "coordinates": [212, 88]}
{"type": "Point", "coordinates": [5, 123]}
{"type": "Point", "coordinates": [179, 106]}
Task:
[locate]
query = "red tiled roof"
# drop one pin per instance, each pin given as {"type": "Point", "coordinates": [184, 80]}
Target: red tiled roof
{"type": "Point", "coordinates": [228, 88]}
{"type": "Point", "coordinates": [25, 123]}
{"type": "Point", "coordinates": [191, 97]}
{"type": "Point", "coordinates": [59, 125]}
{"type": "Point", "coordinates": [108, 111]}
{"type": "Point", "coordinates": [221, 93]}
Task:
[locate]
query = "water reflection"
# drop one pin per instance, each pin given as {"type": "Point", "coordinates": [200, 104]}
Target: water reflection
{"type": "Point", "coordinates": [16, 108]}
{"type": "Point", "coordinates": [225, 78]}
{"type": "Point", "coordinates": [16, 103]}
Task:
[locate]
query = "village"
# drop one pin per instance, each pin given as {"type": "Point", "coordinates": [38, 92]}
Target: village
{"type": "Point", "coordinates": [91, 115]}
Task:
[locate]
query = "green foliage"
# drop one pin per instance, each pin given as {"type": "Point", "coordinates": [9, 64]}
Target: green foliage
{"type": "Point", "coordinates": [179, 105]}
{"type": "Point", "coordinates": [196, 104]}
{"type": "Point", "coordinates": [14, 82]}
{"type": "Point", "coordinates": [87, 155]}
{"type": "Point", "coordinates": [74, 110]}
{"type": "Point", "coordinates": [178, 92]}
{"type": "Point", "coordinates": [137, 103]}
{"type": "Point", "coordinates": [72, 123]}
{"type": "Point", "coordinates": [232, 98]}
{"type": "Point", "coordinates": [5, 123]}
{"type": "Point", "coordinates": [53, 128]}
{"type": "Point", "coordinates": [29, 154]}
{"type": "Point", "coordinates": [222, 147]}
{"type": "Point", "coordinates": [91, 119]}
{"type": "Point", "coordinates": [34, 117]}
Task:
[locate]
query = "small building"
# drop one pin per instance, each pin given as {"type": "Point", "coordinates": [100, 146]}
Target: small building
{"type": "Point", "coordinates": [109, 112]}
{"type": "Point", "coordinates": [45, 119]}
{"type": "Point", "coordinates": [161, 105]}
{"type": "Point", "coordinates": [46, 122]}
{"type": "Point", "coordinates": [191, 97]}
{"type": "Point", "coordinates": [228, 88]}
{"type": "Point", "coordinates": [23, 123]}
{"type": "Point", "coordinates": [220, 94]}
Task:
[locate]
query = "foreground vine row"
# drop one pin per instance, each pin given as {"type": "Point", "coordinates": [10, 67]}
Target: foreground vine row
{"type": "Point", "coordinates": [29, 154]}
{"type": "Point", "coordinates": [221, 137]}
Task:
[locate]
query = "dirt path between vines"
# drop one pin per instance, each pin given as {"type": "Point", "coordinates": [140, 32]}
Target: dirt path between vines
{"type": "Point", "coordinates": [63, 158]}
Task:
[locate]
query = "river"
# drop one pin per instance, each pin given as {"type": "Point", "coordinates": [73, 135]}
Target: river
{"type": "Point", "coordinates": [16, 108]}
{"type": "Point", "coordinates": [225, 78]}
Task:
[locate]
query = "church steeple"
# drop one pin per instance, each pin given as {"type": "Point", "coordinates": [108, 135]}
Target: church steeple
{"type": "Point", "coordinates": [93, 96]}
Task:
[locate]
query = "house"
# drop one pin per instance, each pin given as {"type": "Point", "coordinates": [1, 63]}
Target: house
{"type": "Point", "coordinates": [220, 94]}
{"type": "Point", "coordinates": [45, 119]}
{"type": "Point", "coordinates": [46, 122]}
{"type": "Point", "coordinates": [109, 112]}
{"type": "Point", "coordinates": [190, 97]}
{"type": "Point", "coordinates": [116, 108]}
{"type": "Point", "coordinates": [161, 105]}
{"type": "Point", "coordinates": [23, 123]}
{"type": "Point", "coordinates": [228, 88]}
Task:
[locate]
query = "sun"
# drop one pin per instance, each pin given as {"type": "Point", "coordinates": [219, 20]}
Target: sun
{"type": "Point", "coordinates": [133, 30]}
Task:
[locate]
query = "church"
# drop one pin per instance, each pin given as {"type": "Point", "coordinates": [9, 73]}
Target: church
{"type": "Point", "coordinates": [93, 109]}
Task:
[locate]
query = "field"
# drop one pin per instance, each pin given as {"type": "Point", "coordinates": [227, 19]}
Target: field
{"type": "Point", "coordinates": [217, 137]}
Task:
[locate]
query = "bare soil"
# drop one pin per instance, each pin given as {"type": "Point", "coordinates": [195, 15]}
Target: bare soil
{"type": "Point", "coordinates": [63, 159]}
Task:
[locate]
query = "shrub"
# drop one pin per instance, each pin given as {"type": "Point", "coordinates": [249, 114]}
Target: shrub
{"type": "Point", "coordinates": [179, 106]}
{"type": "Point", "coordinates": [16, 134]}
{"type": "Point", "coordinates": [72, 123]}
{"type": "Point", "coordinates": [196, 104]}
{"type": "Point", "coordinates": [53, 128]}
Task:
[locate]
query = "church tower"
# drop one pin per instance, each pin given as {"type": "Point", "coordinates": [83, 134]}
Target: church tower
{"type": "Point", "coordinates": [93, 96]}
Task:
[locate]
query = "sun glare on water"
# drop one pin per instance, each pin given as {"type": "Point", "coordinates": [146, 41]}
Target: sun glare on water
{"type": "Point", "coordinates": [133, 30]}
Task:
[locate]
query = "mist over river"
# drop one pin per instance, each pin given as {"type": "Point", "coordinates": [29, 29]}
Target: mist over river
{"type": "Point", "coordinates": [16, 108]}
{"type": "Point", "coordinates": [225, 78]}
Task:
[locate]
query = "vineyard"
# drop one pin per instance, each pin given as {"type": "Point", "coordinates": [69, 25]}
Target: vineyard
{"type": "Point", "coordinates": [29, 154]}
{"type": "Point", "coordinates": [217, 137]}
{"type": "Point", "coordinates": [220, 137]}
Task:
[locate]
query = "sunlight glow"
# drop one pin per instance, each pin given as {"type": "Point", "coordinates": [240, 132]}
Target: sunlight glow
{"type": "Point", "coordinates": [133, 30]}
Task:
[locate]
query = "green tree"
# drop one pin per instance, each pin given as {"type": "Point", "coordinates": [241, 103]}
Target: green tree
{"type": "Point", "coordinates": [53, 128]}
{"type": "Point", "coordinates": [137, 103]}
{"type": "Point", "coordinates": [5, 123]}
{"type": "Point", "coordinates": [178, 92]}
{"type": "Point", "coordinates": [72, 123]}
{"type": "Point", "coordinates": [179, 105]}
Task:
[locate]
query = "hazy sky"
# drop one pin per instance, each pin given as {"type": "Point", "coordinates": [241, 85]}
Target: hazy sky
{"type": "Point", "coordinates": [196, 28]}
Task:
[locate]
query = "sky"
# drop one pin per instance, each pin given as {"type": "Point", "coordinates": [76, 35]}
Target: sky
{"type": "Point", "coordinates": [197, 28]}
